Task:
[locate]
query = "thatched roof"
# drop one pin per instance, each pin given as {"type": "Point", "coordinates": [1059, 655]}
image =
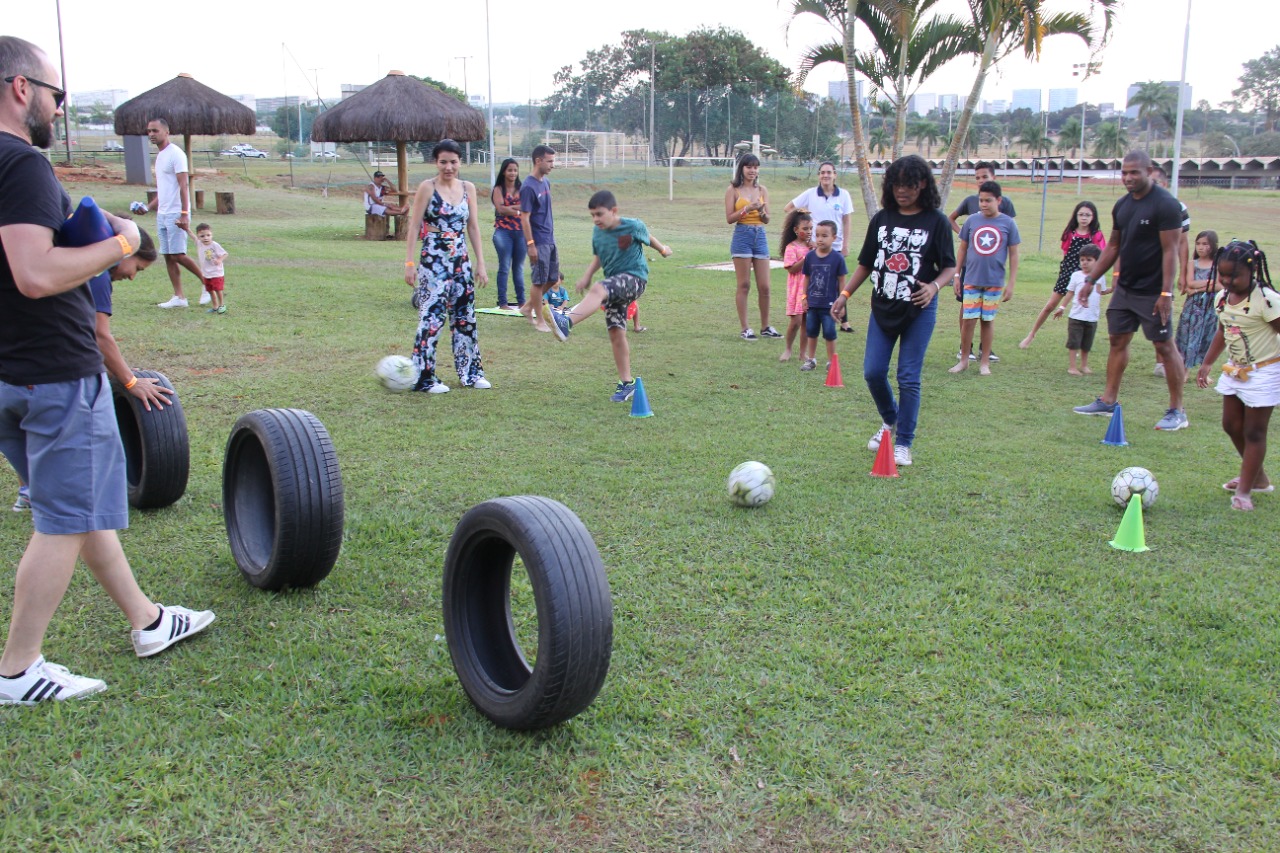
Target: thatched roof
{"type": "Point", "coordinates": [399, 108]}
{"type": "Point", "coordinates": [190, 108]}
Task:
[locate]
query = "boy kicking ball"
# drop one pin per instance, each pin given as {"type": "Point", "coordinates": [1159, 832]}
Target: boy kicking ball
{"type": "Point", "coordinates": [618, 245]}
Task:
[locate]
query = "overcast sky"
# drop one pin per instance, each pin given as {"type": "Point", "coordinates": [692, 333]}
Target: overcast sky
{"type": "Point", "coordinates": [272, 48]}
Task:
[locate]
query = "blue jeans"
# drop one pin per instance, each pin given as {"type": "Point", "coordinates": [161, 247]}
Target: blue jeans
{"type": "Point", "coordinates": [912, 343]}
{"type": "Point", "coordinates": [511, 255]}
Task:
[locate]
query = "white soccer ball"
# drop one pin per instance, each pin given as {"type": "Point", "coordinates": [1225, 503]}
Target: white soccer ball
{"type": "Point", "coordinates": [1135, 481]}
{"type": "Point", "coordinates": [397, 373]}
{"type": "Point", "coordinates": [751, 484]}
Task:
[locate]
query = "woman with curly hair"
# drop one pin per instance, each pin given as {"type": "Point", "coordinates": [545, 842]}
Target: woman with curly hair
{"type": "Point", "coordinates": [909, 256]}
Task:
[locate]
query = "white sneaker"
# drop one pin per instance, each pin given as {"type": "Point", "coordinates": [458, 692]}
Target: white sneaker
{"type": "Point", "coordinates": [176, 624]}
{"type": "Point", "coordinates": [901, 455]}
{"type": "Point", "coordinates": [482, 383]}
{"type": "Point", "coordinates": [205, 297]}
{"type": "Point", "coordinates": [874, 443]}
{"type": "Point", "coordinates": [1159, 370]}
{"type": "Point", "coordinates": [174, 302]}
{"type": "Point", "coordinates": [438, 388]}
{"type": "Point", "coordinates": [43, 681]}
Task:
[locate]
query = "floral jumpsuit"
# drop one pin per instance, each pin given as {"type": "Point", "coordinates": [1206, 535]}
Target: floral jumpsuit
{"type": "Point", "coordinates": [446, 287]}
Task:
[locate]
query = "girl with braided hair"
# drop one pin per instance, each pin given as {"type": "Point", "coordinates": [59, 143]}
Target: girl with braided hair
{"type": "Point", "coordinates": [1249, 330]}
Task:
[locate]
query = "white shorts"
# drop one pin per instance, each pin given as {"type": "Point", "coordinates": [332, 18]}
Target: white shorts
{"type": "Point", "coordinates": [377, 209]}
{"type": "Point", "coordinates": [1260, 389]}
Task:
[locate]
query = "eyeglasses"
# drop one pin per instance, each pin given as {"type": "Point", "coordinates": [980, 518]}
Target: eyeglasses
{"type": "Point", "coordinates": [59, 95]}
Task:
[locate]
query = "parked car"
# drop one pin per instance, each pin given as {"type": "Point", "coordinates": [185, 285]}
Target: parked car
{"type": "Point", "coordinates": [327, 155]}
{"type": "Point", "coordinates": [112, 145]}
{"type": "Point", "coordinates": [253, 152]}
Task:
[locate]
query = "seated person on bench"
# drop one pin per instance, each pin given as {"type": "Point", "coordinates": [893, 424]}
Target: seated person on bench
{"type": "Point", "coordinates": [375, 200]}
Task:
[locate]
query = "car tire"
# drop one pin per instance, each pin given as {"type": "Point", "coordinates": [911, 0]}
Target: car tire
{"type": "Point", "coordinates": [282, 498]}
{"type": "Point", "coordinates": [157, 450]}
{"type": "Point", "coordinates": [571, 596]}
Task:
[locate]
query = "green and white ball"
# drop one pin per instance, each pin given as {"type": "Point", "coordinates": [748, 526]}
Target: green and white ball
{"type": "Point", "coordinates": [1135, 481]}
{"type": "Point", "coordinates": [396, 373]}
{"type": "Point", "coordinates": [751, 484]}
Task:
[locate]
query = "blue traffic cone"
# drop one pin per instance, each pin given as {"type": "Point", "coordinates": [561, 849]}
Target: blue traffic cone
{"type": "Point", "coordinates": [640, 402]}
{"type": "Point", "coordinates": [1115, 430]}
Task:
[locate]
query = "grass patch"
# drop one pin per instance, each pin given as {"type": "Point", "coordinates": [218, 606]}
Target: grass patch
{"type": "Point", "coordinates": [952, 660]}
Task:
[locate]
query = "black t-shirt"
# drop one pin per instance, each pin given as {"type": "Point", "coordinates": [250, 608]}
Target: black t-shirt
{"type": "Point", "coordinates": [50, 339]}
{"type": "Point", "coordinates": [1140, 222]}
{"type": "Point", "coordinates": [969, 207]}
{"type": "Point", "coordinates": [902, 252]}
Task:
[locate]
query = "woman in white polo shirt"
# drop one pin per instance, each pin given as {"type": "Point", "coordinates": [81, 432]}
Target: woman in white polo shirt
{"type": "Point", "coordinates": [828, 201]}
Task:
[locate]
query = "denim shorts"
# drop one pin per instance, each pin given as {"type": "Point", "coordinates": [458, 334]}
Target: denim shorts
{"type": "Point", "coordinates": [749, 241]}
{"type": "Point", "coordinates": [820, 320]}
{"type": "Point", "coordinates": [170, 239]}
{"type": "Point", "coordinates": [62, 439]}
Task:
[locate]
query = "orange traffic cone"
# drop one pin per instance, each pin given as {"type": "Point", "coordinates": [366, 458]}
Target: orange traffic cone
{"type": "Point", "coordinates": [885, 465]}
{"type": "Point", "coordinates": [833, 373]}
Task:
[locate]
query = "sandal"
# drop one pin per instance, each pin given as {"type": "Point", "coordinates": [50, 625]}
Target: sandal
{"type": "Point", "coordinates": [845, 327]}
{"type": "Point", "coordinates": [1234, 482]}
{"type": "Point", "coordinates": [641, 328]}
{"type": "Point", "coordinates": [1242, 503]}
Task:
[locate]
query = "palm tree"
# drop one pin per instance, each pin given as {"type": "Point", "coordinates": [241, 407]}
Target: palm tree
{"type": "Point", "coordinates": [837, 14]}
{"type": "Point", "coordinates": [1152, 99]}
{"type": "Point", "coordinates": [1110, 141]}
{"type": "Point", "coordinates": [906, 50]}
{"type": "Point", "coordinates": [1035, 139]}
{"type": "Point", "coordinates": [1069, 136]}
{"type": "Point", "coordinates": [880, 140]}
{"type": "Point", "coordinates": [998, 28]}
{"type": "Point", "coordinates": [925, 133]}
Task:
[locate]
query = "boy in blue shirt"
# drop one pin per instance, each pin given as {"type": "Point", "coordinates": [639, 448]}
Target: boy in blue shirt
{"type": "Point", "coordinates": [618, 245]}
{"type": "Point", "coordinates": [824, 271]}
{"type": "Point", "coordinates": [987, 242]}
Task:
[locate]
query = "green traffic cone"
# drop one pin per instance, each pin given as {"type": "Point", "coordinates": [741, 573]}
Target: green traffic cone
{"type": "Point", "coordinates": [1129, 536]}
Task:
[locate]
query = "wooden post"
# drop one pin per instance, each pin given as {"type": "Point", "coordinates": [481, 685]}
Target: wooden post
{"type": "Point", "coordinates": [402, 185]}
{"type": "Point", "coordinates": [226, 202]}
{"type": "Point", "coordinates": [191, 172]}
{"type": "Point", "coordinates": [200, 199]}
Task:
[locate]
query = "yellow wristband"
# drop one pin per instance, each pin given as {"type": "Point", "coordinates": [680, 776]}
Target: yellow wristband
{"type": "Point", "coordinates": [528, 242]}
{"type": "Point", "coordinates": [132, 381]}
{"type": "Point", "coordinates": [124, 245]}
{"type": "Point", "coordinates": [410, 264]}
{"type": "Point", "coordinates": [846, 293]}
{"type": "Point", "coordinates": [1170, 295]}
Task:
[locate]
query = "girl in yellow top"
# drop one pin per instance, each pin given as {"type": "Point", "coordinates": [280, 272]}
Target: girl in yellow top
{"type": "Point", "coordinates": [1249, 330]}
{"type": "Point", "coordinates": [746, 208]}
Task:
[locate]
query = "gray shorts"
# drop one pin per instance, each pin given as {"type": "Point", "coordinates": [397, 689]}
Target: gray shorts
{"type": "Point", "coordinates": [170, 239]}
{"type": "Point", "coordinates": [62, 439]}
{"type": "Point", "coordinates": [546, 270]}
{"type": "Point", "coordinates": [1129, 311]}
{"type": "Point", "coordinates": [620, 291]}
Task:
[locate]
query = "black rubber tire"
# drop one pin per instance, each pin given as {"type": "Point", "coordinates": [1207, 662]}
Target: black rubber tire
{"type": "Point", "coordinates": [571, 595]}
{"type": "Point", "coordinates": [156, 448]}
{"type": "Point", "coordinates": [282, 498]}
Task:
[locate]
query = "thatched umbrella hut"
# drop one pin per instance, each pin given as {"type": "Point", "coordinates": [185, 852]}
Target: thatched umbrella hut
{"type": "Point", "coordinates": [401, 109]}
{"type": "Point", "coordinates": [189, 107]}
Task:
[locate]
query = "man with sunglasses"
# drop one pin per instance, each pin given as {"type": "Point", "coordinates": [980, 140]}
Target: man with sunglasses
{"type": "Point", "coordinates": [57, 419]}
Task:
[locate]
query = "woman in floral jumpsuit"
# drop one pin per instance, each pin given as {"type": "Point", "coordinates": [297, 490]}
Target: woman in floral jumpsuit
{"type": "Point", "coordinates": [446, 207]}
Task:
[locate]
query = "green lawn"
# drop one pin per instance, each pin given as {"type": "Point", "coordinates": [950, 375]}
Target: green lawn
{"type": "Point", "coordinates": [952, 660]}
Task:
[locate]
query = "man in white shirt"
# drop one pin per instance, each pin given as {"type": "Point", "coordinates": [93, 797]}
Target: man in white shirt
{"type": "Point", "coordinates": [173, 212]}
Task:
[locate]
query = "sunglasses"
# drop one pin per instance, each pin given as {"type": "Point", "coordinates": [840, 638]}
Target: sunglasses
{"type": "Point", "coordinates": [59, 95]}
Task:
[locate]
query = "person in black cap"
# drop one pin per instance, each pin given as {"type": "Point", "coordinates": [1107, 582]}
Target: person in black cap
{"type": "Point", "coordinates": [375, 200]}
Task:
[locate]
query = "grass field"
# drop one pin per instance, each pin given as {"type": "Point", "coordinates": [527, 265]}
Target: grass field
{"type": "Point", "coordinates": [952, 660]}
